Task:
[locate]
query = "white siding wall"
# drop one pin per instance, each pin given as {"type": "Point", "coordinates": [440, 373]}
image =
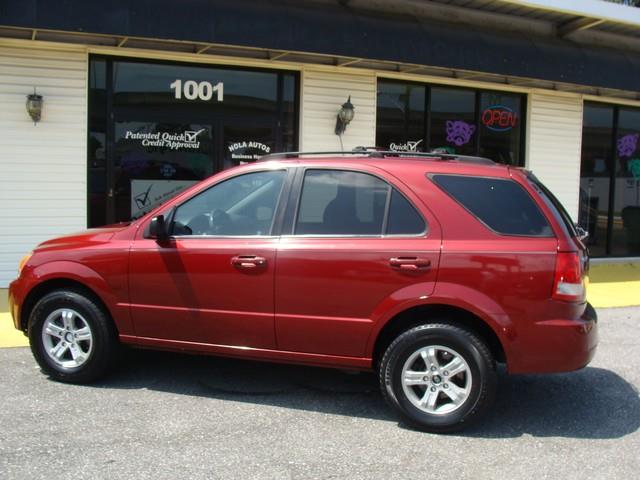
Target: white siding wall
{"type": "Point", "coordinates": [42, 167]}
{"type": "Point", "coordinates": [322, 95]}
{"type": "Point", "coordinates": [554, 143]}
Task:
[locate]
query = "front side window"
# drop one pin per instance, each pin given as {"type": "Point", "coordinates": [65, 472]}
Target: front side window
{"type": "Point", "coordinates": [502, 205]}
{"type": "Point", "coordinates": [337, 202]}
{"type": "Point", "coordinates": [241, 206]}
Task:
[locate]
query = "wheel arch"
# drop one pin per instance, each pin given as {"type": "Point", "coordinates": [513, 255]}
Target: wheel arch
{"type": "Point", "coordinates": [59, 283]}
{"type": "Point", "coordinates": [420, 314]}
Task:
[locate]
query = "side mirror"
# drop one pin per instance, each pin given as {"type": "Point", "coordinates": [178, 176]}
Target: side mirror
{"type": "Point", "coordinates": [158, 228]}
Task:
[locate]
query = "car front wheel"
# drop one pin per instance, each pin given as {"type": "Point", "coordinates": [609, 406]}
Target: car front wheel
{"type": "Point", "coordinates": [71, 336]}
{"type": "Point", "coordinates": [439, 377]}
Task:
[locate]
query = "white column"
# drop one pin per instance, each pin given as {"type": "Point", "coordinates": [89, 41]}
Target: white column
{"type": "Point", "coordinates": [43, 167]}
{"type": "Point", "coordinates": [554, 139]}
{"type": "Point", "coordinates": [323, 92]}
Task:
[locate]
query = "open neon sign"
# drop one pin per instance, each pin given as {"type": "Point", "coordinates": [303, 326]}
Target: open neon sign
{"type": "Point", "coordinates": [499, 118]}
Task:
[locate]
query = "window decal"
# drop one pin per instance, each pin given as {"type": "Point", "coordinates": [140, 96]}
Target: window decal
{"type": "Point", "coordinates": [408, 146]}
{"type": "Point", "coordinates": [459, 132]}
{"type": "Point", "coordinates": [170, 140]}
{"type": "Point", "coordinates": [627, 145]}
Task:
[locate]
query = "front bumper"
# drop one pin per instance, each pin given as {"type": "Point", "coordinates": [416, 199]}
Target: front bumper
{"type": "Point", "coordinates": [17, 295]}
{"type": "Point", "coordinates": [558, 345]}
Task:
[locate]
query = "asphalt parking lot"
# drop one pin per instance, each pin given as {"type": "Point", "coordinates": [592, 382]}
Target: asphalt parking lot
{"type": "Point", "coordinates": [177, 416]}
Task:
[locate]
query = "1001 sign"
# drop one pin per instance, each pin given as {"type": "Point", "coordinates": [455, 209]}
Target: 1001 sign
{"type": "Point", "coordinates": [192, 90]}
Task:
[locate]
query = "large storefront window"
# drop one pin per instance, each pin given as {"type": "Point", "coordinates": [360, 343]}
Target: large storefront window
{"type": "Point", "coordinates": [500, 127]}
{"type": "Point", "coordinates": [610, 179]}
{"type": "Point", "coordinates": [171, 125]}
{"type": "Point", "coordinates": [453, 120]}
{"type": "Point", "coordinates": [400, 116]}
{"type": "Point", "coordinates": [418, 117]}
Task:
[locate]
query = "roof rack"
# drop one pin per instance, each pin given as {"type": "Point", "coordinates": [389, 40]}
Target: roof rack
{"type": "Point", "coordinates": [371, 152]}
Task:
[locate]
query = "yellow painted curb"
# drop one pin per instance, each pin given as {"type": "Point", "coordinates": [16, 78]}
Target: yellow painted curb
{"type": "Point", "coordinates": [614, 294]}
{"type": "Point", "coordinates": [614, 285]}
{"type": "Point", "coordinates": [9, 336]}
{"type": "Point", "coordinates": [614, 272]}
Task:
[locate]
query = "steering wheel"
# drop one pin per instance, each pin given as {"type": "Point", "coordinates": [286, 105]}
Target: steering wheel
{"type": "Point", "coordinates": [220, 222]}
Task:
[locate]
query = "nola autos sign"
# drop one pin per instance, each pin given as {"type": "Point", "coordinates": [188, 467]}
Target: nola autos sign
{"type": "Point", "coordinates": [499, 118]}
{"type": "Point", "coordinates": [247, 150]}
{"type": "Point", "coordinates": [173, 141]}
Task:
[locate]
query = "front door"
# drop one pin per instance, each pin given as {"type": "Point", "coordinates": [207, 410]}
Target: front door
{"type": "Point", "coordinates": [212, 282]}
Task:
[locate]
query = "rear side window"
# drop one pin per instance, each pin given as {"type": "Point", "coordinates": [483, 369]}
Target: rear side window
{"type": "Point", "coordinates": [501, 204]}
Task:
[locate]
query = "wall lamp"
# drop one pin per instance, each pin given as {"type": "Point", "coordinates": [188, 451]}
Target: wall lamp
{"type": "Point", "coordinates": [34, 106]}
{"type": "Point", "coordinates": [345, 115]}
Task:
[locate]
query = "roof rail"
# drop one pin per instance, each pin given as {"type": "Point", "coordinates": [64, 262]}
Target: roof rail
{"type": "Point", "coordinates": [372, 152]}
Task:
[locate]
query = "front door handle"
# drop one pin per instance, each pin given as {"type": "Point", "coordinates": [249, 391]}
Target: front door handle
{"type": "Point", "coordinates": [410, 264]}
{"type": "Point", "coordinates": [248, 262]}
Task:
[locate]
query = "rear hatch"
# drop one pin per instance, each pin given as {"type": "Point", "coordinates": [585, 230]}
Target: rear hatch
{"type": "Point", "coordinates": [572, 264]}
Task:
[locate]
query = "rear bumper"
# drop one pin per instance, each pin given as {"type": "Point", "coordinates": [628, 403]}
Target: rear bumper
{"type": "Point", "coordinates": [558, 345]}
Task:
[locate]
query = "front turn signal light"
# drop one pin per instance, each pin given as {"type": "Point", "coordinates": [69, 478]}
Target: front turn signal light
{"type": "Point", "coordinates": [23, 262]}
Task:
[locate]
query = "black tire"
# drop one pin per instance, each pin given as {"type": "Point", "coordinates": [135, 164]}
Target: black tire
{"type": "Point", "coordinates": [479, 372]}
{"type": "Point", "coordinates": [101, 349]}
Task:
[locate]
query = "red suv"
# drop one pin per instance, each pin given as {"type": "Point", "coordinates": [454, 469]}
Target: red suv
{"type": "Point", "coordinates": [428, 268]}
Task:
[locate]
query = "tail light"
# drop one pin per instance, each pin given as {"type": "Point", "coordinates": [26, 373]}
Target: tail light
{"type": "Point", "coordinates": [569, 281]}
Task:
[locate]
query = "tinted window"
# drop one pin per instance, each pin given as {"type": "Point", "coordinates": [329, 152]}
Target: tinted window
{"type": "Point", "coordinates": [341, 203]}
{"type": "Point", "coordinates": [403, 218]}
{"type": "Point", "coordinates": [243, 205]}
{"type": "Point", "coordinates": [202, 88]}
{"type": "Point", "coordinates": [625, 235]}
{"type": "Point", "coordinates": [595, 174]}
{"type": "Point", "coordinates": [453, 120]}
{"type": "Point", "coordinates": [400, 116]}
{"type": "Point", "coordinates": [500, 127]}
{"type": "Point", "coordinates": [411, 116]}
{"type": "Point", "coordinates": [502, 205]}
{"type": "Point", "coordinates": [558, 210]}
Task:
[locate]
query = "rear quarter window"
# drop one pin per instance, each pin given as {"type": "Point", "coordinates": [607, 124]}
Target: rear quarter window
{"type": "Point", "coordinates": [500, 204]}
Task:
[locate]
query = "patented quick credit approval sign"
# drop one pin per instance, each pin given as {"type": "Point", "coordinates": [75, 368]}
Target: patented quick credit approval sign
{"type": "Point", "coordinates": [187, 139]}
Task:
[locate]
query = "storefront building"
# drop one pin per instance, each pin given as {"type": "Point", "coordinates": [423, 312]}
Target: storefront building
{"type": "Point", "coordinates": [141, 100]}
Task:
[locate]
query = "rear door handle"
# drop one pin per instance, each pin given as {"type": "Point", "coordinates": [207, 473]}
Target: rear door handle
{"type": "Point", "coordinates": [410, 264]}
{"type": "Point", "coordinates": [248, 262]}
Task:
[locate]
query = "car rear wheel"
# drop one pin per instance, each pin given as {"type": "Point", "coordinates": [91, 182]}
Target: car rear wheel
{"type": "Point", "coordinates": [72, 338]}
{"type": "Point", "coordinates": [438, 377]}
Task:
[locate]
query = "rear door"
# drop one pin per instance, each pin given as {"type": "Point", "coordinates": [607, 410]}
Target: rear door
{"type": "Point", "coordinates": [353, 240]}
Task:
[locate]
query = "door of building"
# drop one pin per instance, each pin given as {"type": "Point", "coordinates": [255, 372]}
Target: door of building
{"type": "Point", "coordinates": [152, 160]}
